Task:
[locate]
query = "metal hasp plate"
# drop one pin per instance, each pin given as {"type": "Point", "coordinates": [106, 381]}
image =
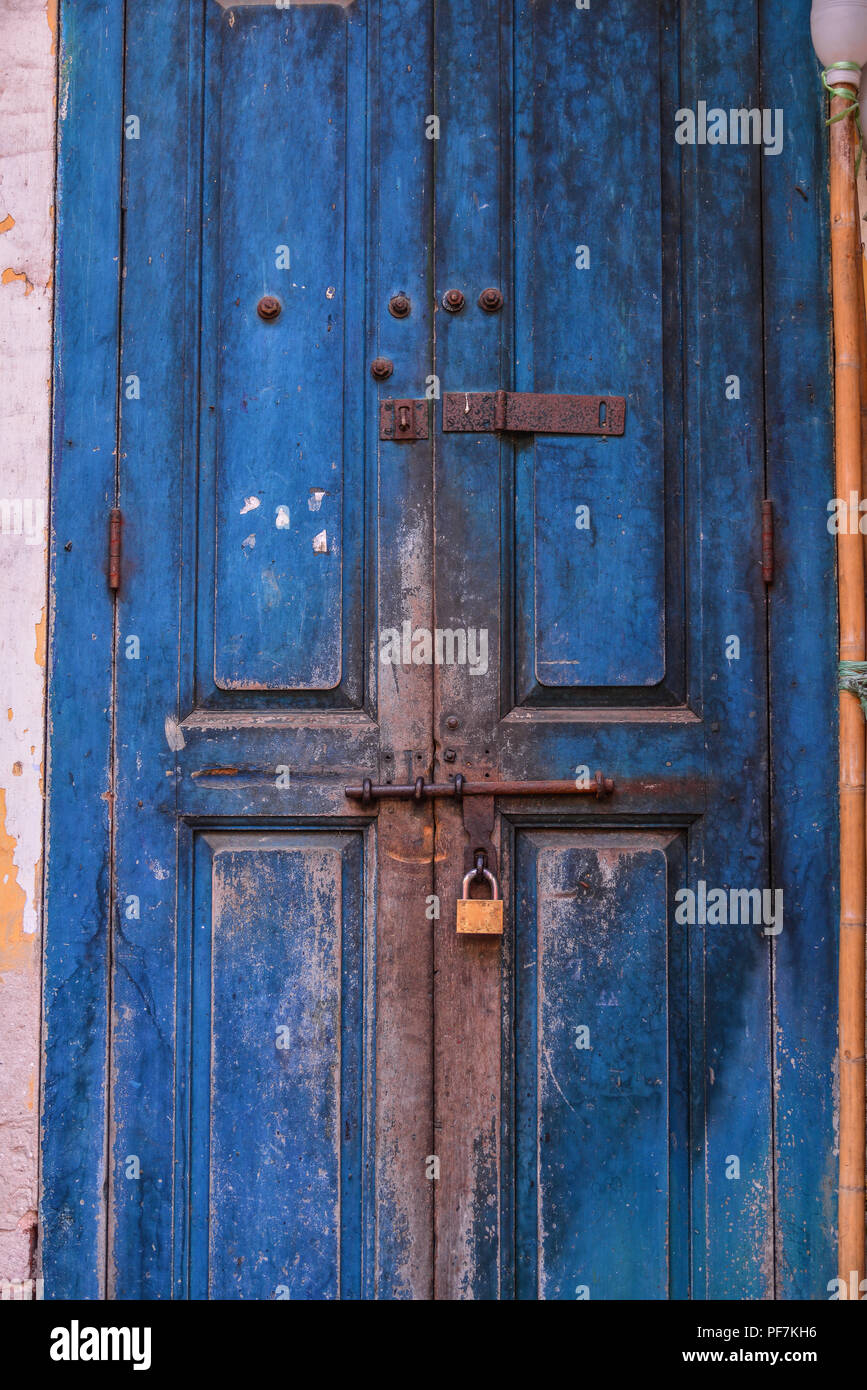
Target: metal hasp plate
{"type": "Point", "coordinates": [403, 421]}
{"type": "Point", "coordinates": [529, 412]}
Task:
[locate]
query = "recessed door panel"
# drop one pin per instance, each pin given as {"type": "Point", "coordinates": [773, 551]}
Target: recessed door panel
{"type": "Point", "coordinates": [278, 1114]}
{"type": "Point", "coordinates": [601, 1058]}
{"type": "Point", "coordinates": [285, 237]}
{"type": "Point", "coordinates": [590, 306]}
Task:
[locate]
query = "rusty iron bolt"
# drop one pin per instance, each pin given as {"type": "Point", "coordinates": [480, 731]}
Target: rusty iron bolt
{"type": "Point", "coordinates": [381, 368]}
{"type": "Point", "coordinates": [453, 301]}
{"type": "Point", "coordinates": [399, 306]}
{"type": "Point", "coordinates": [268, 308]}
{"type": "Point", "coordinates": [490, 300]}
{"type": "Point", "coordinates": [452, 722]}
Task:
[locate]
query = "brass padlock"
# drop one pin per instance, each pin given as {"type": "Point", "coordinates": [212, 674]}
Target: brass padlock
{"type": "Point", "coordinates": [480, 916]}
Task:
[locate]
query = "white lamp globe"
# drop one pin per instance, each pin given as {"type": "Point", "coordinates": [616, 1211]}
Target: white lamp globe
{"type": "Point", "coordinates": [839, 32]}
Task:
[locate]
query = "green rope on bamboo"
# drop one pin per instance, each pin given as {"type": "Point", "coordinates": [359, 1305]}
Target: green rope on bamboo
{"type": "Point", "coordinates": [854, 107]}
{"type": "Point", "coordinates": [853, 677]}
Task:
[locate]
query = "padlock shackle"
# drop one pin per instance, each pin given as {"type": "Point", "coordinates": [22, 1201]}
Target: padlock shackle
{"type": "Point", "coordinates": [486, 873]}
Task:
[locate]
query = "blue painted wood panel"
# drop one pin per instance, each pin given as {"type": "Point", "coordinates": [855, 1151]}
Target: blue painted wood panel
{"type": "Point", "coordinates": [730, 994]}
{"type": "Point", "coordinates": [78, 855]}
{"type": "Point", "coordinates": [595, 1027]}
{"type": "Point", "coordinates": [282, 165]}
{"type": "Point", "coordinates": [803, 656]}
{"type": "Point", "coordinates": [280, 471]}
{"type": "Point", "coordinates": [277, 1096]}
{"type": "Point", "coordinates": [588, 311]}
{"type": "Point", "coordinates": [162, 88]}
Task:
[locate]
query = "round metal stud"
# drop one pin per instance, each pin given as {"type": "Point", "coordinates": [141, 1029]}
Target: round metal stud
{"type": "Point", "coordinates": [399, 306]}
{"type": "Point", "coordinates": [453, 301]}
{"type": "Point", "coordinates": [269, 308]}
{"type": "Point", "coordinates": [490, 300]}
{"type": "Point", "coordinates": [381, 368]}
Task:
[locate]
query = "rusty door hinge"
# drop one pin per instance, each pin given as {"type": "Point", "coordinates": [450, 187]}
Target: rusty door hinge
{"type": "Point", "coordinates": [115, 527]}
{"type": "Point", "coordinates": [767, 541]}
{"type": "Point", "coordinates": [532, 412]}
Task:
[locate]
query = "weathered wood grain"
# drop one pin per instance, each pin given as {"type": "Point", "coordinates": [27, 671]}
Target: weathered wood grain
{"type": "Point", "coordinates": [75, 1039]}
{"type": "Point", "coordinates": [564, 1171]}
{"type": "Point", "coordinates": [802, 656]}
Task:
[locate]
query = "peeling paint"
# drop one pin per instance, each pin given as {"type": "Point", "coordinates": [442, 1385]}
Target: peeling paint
{"type": "Point", "coordinates": [16, 946]}
{"type": "Point", "coordinates": [39, 654]}
{"type": "Point", "coordinates": [174, 734]}
{"type": "Point", "coordinates": [9, 275]}
{"type": "Point", "coordinates": [7, 223]}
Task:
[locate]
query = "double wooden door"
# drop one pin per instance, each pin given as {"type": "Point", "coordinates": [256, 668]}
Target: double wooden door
{"type": "Point", "coordinates": [316, 1088]}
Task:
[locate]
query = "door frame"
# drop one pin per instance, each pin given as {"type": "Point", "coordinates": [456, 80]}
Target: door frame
{"type": "Point", "coordinates": [801, 656]}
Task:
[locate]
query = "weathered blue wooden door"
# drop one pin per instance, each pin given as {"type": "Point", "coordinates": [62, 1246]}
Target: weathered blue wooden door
{"type": "Point", "coordinates": [314, 1088]}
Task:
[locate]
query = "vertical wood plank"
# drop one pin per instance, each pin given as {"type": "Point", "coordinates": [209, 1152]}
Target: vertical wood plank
{"type": "Point", "coordinates": [74, 1091]}
{"type": "Point", "coordinates": [468, 1082]}
{"type": "Point", "coordinates": [730, 965]}
{"type": "Point", "coordinates": [399, 251]}
{"type": "Point", "coordinates": [158, 414]}
{"type": "Point", "coordinates": [802, 654]}
{"type": "Point", "coordinates": [473, 63]}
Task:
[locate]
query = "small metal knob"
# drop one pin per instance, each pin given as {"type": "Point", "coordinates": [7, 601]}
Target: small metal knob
{"type": "Point", "coordinates": [490, 300]}
{"type": "Point", "coordinates": [381, 368]}
{"type": "Point", "coordinates": [269, 308]}
{"type": "Point", "coordinates": [399, 306]}
{"type": "Point", "coordinates": [453, 301]}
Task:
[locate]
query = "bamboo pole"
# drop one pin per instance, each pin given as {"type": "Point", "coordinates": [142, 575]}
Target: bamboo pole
{"type": "Point", "coordinates": [862, 374]}
{"type": "Point", "coordinates": [845, 270]}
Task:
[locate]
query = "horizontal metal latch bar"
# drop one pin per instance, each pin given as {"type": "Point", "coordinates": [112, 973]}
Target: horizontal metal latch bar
{"type": "Point", "coordinates": [531, 412]}
{"type": "Point", "coordinates": [420, 789]}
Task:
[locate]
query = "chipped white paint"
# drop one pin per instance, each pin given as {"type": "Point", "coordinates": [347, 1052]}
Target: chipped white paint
{"type": "Point", "coordinates": [250, 505]}
{"type": "Point", "coordinates": [174, 734]}
{"type": "Point", "coordinates": [281, 520]}
{"type": "Point", "coordinates": [27, 94]}
{"type": "Point", "coordinates": [314, 501]}
{"type": "Point", "coordinates": [249, 541]}
{"type": "Point", "coordinates": [320, 543]}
